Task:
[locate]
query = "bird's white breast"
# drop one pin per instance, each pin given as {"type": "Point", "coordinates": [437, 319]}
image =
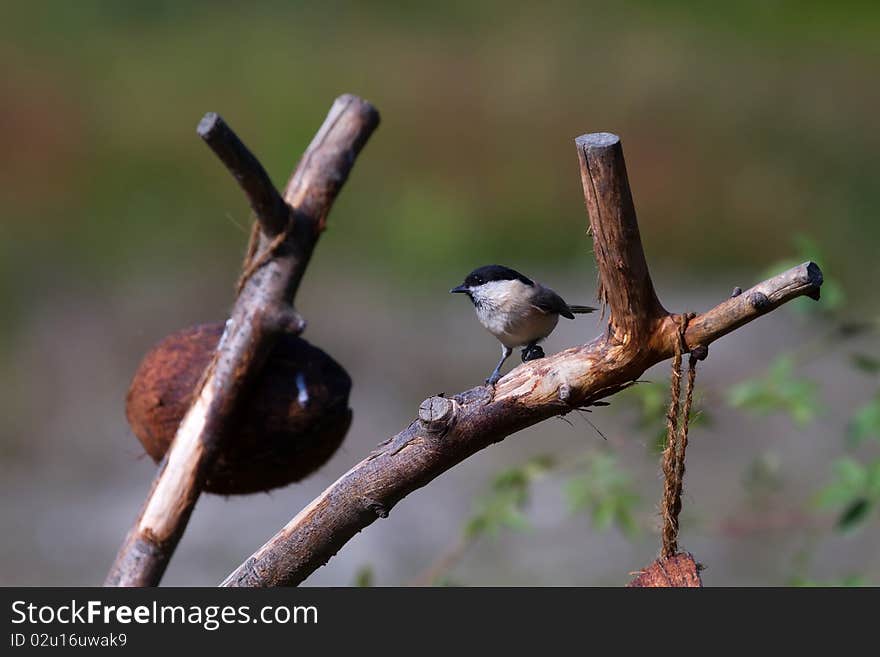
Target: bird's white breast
{"type": "Point", "coordinates": [505, 310]}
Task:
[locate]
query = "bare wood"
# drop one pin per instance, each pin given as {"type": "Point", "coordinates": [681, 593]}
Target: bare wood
{"type": "Point", "coordinates": [448, 432]}
{"type": "Point", "coordinates": [268, 206]}
{"type": "Point", "coordinates": [262, 310]}
{"type": "Point", "coordinates": [803, 280]}
{"type": "Point", "coordinates": [624, 282]}
{"type": "Point", "coordinates": [641, 334]}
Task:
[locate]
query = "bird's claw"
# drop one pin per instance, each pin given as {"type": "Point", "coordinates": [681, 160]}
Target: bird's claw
{"type": "Point", "coordinates": [532, 352]}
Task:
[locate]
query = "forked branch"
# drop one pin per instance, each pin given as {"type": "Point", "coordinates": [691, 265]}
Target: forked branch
{"type": "Point", "coordinates": [448, 430]}
{"type": "Point", "coordinates": [290, 226]}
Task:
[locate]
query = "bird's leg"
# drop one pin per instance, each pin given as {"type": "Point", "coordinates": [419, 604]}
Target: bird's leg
{"type": "Point", "coordinates": [532, 352]}
{"type": "Point", "coordinates": [496, 373]}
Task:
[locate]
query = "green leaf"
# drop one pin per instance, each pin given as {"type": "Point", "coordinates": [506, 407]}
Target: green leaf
{"type": "Point", "coordinates": [851, 473]}
{"type": "Point", "coordinates": [651, 398]}
{"type": "Point", "coordinates": [854, 515]}
{"type": "Point", "coordinates": [364, 577]}
{"type": "Point", "coordinates": [515, 519]}
{"type": "Point", "coordinates": [650, 401]}
{"type": "Point", "coordinates": [603, 515]}
{"type": "Point", "coordinates": [872, 486]}
{"type": "Point", "coordinates": [475, 526]}
{"type": "Point", "coordinates": [501, 508]}
{"type": "Point", "coordinates": [854, 328]}
{"type": "Point", "coordinates": [850, 480]}
{"type": "Point", "coordinates": [866, 363]}
{"type": "Point", "coordinates": [865, 423]}
{"type": "Point", "coordinates": [856, 488]}
{"type": "Point", "coordinates": [605, 492]}
{"type": "Point", "coordinates": [777, 391]}
{"type": "Point", "coordinates": [515, 479]}
{"type": "Point", "coordinates": [833, 495]}
{"type": "Point", "coordinates": [625, 519]}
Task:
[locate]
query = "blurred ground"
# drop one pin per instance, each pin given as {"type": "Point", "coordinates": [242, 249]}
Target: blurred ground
{"type": "Point", "coordinates": [73, 478]}
{"type": "Point", "coordinates": [742, 127]}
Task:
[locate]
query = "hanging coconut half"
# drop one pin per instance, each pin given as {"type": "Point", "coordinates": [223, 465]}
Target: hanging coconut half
{"type": "Point", "coordinates": [292, 420]}
{"type": "Point", "coordinates": [679, 570]}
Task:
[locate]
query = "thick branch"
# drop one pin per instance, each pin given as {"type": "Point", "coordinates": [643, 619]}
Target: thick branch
{"type": "Point", "coordinates": [624, 281]}
{"type": "Point", "coordinates": [450, 430]}
{"type": "Point", "coordinates": [262, 309]}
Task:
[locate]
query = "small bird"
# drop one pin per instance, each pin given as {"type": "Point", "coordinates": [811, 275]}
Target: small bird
{"type": "Point", "coordinates": [515, 309]}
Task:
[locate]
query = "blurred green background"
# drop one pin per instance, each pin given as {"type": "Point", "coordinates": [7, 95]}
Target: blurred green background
{"type": "Point", "coordinates": [749, 128]}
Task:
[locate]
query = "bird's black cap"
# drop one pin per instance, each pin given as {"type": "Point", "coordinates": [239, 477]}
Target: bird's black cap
{"type": "Point", "coordinates": [490, 273]}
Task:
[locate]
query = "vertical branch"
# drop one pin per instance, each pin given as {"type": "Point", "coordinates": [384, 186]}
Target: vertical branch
{"type": "Point", "coordinates": [624, 281]}
{"type": "Point", "coordinates": [289, 231]}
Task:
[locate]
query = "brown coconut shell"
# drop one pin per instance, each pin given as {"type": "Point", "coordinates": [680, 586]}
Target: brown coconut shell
{"type": "Point", "coordinates": [679, 570]}
{"type": "Point", "coordinates": [293, 419]}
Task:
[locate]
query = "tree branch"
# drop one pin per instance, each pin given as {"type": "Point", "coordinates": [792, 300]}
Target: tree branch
{"type": "Point", "coordinates": [262, 310]}
{"type": "Point", "coordinates": [803, 280]}
{"type": "Point", "coordinates": [624, 281]}
{"type": "Point", "coordinates": [268, 206]}
{"type": "Point", "coordinates": [448, 431]}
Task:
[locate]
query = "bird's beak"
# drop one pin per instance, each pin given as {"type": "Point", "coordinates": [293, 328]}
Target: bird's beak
{"type": "Point", "coordinates": [460, 288]}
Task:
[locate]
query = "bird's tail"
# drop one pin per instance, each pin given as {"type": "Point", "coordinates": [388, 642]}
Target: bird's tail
{"type": "Point", "coordinates": [582, 310]}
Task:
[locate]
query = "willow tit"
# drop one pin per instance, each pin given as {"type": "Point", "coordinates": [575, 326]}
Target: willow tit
{"type": "Point", "coordinates": [515, 309]}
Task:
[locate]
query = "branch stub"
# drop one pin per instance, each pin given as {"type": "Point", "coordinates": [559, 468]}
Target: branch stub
{"type": "Point", "coordinates": [435, 413]}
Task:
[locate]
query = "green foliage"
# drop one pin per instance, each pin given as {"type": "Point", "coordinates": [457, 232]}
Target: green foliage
{"type": "Point", "coordinates": [650, 401]}
{"type": "Point", "coordinates": [854, 514]}
{"type": "Point", "coordinates": [606, 491]}
{"type": "Point", "coordinates": [866, 363]}
{"type": "Point", "coordinates": [850, 580]}
{"type": "Point", "coordinates": [855, 489]}
{"type": "Point", "coordinates": [502, 506]}
{"type": "Point", "coordinates": [779, 390]}
{"type": "Point", "coordinates": [364, 577]}
{"type": "Point", "coordinates": [600, 487]}
{"type": "Point", "coordinates": [865, 423]}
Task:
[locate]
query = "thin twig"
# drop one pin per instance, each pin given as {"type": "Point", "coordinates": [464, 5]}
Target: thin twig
{"type": "Point", "coordinates": [271, 210]}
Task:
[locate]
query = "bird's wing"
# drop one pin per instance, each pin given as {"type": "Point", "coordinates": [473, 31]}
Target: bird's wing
{"type": "Point", "coordinates": [547, 301]}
